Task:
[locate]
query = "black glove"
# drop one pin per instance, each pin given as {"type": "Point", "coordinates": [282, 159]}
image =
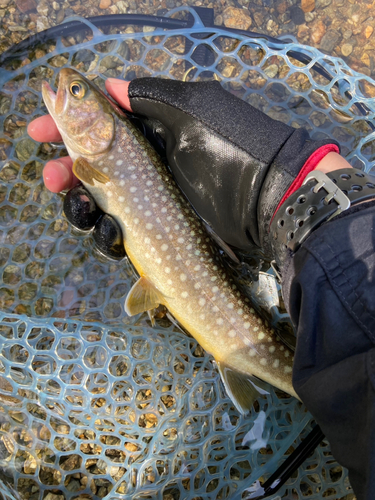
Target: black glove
{"type": "Point", "coordinates": [232, 162]}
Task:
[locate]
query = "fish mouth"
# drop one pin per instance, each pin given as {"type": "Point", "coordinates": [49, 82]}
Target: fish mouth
{"type": "Point", "coordinates": [49, 96]}
{"type": "Point", "coordinates": [56, 102]}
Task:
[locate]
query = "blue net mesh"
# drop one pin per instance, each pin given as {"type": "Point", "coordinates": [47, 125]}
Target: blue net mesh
{"type": "Point", "coordinates": [94, 404]}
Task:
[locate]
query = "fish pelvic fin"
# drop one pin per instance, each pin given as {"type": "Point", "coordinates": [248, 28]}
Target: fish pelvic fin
{"type": "Point", "coordinates": [243, 389]}
{"type": "Point", "coordinates": [143, 296]}
{"type": "Point", "coordinates": [87, 174]}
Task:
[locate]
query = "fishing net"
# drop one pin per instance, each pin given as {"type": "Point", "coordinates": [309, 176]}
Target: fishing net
{"type": "Point", "coordinates": [94, 404]}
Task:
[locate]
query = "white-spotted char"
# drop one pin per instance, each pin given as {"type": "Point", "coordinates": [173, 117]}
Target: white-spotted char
{"type": "Point", "coordinates": [165, 241]}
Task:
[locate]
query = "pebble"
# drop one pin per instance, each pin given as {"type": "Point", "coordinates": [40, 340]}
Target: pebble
{"type": "Point", "coordinates": [307, 5]}
{"type": "Point", "coordinates": [236, 18]}
{"type": "Point", "coordinates": [366, 59]}
{"type": "Point", "coordinates": [369, 31]}
{"type": "Point", "coordinates": [318, 31]}
{"type": "Point", "coordinates": [104, 4]}
{"type": "Point", "coordinates": [42, 8]}
{"type": "Point", "coordinates": [346, 49]}
{"type": "Point", "coordinates": [310, 16]}
{"type": "Point", "coordinates": [330, 40]}
{"type": "Point", "coordinates": [26, 5]}
{"type": "Point", "coordinates": [297, 15]}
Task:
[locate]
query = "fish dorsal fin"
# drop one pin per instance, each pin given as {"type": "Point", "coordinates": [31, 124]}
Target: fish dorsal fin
{"type": "Point", "coordinates": [142, 297]}
{"type": "Point", "coordinates": [87, 174]}
{"type": "Point", "coordinates": [242, 389]}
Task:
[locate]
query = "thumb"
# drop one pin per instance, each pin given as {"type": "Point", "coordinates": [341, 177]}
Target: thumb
{"type": "Point", "coordinates": [118, 89]}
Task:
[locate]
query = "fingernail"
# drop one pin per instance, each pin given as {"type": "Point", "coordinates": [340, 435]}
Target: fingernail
{"type": "Point", "coordinates": [115, 81]}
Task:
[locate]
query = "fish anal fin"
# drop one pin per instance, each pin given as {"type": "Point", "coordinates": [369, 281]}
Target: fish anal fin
{"type": "Point", "coordinates": [240, 388]}
{"type": "Point", "coordinates": [143, 296]}
{"type": "Point", "coordinates": [87, 174]}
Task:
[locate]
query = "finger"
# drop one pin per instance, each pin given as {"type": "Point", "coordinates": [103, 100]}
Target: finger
{"type": "Point", "coordinates": [43, 129]}
{"type": "Point", "coordinates": [58, 175]}
{"type": "Point", "coordinates": [119, 91]}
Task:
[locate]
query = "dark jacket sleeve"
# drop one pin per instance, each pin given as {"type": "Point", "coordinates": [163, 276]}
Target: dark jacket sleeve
{"type": "Point", "coordinates": [329, 289]}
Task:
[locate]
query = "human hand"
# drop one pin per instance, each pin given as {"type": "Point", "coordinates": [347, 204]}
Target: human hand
{"type": "Point", "coordinates": [232, 162]}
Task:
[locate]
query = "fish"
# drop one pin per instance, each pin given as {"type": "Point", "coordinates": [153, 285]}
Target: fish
{"type": "Point", "coordinates": [175, 258]}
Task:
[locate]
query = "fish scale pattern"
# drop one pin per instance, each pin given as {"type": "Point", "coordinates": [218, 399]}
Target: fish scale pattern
{"type": "Point", "coordinates": [95, 404]}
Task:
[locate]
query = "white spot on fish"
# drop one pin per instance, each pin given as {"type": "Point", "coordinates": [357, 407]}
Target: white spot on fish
{"type": "Point", "coordinates": [159, 236]}
{"type": "Point", "coordinates": [246, 325]}
{"type": "Point", "coordinates": [252, 353]}
{"type": "Point", "coordinates": [272, 349]}
{"type": "Point", "coordinates": [246, 341]}
{"type": "Point", "coordinates": [287, 369]}
{"type": "Point", "coordinates": [111, 157]}
{"type": "Point", "coordinates": [196, 268]}
{"type": "Point", "coordinates": [140, 207]}
{"type": "Point", "coordinates": [180, 240]}
{"type": "Point", "coordinates": [121, 198]}
{"type": "Point", "coordinates": [100, 163]}
{"type": "Point", "coordinates": [202, 301]}
{"type": "Point", "coordinates": [109, 194]}
{"type": "Point", "coordinates": [263, 361]}
{"type": "Point", "coordinates": [219, 321]}
{"type": "Point", "coordinates": [183, 277]}
{"type": "Point", "coordinates": [136, 220]}
{"type": "Point", "coordinates": [133, 189]}
{"type": "Point", "coordinates": [197, 252]}
{"type": "Point", "coordinates": [167, 270]}
{"type": "Point", "coordinates": [230, 305]}
{"type": "Point", "coordinates": [202, 316]}
{"type": "Point", "coordinates": [127, 210]}
{"type": "Point", "coordinates": [276, 363]}
{"type": "Point", "coordinates": [255, 329]}
{"type": "Point", "coordinates": [169, 282]}
{"type": "Point", "coordinates": [163, 210]}
{"type": "Point", "coordinates": [149, 183]}
{"type": "Point", "coordinates": [158, 259]}
{"type": "Point", "coordinates": [122, 183]}
{"type": "Point", "coordinates": [240, 312]}
{"type": "Point", "coordinates": [286, 354]}
{"type": "Point", "coordinates": [148, 213]}
{"type": "Point", "coordinates": [149, 225]}
{"type": "Point", "coordinates": [232, 333]}
{"type": "Point", "coordinates": [119, 163]}
{"type": "Point", "coordinates": [261, 336]}
{"type": "Point", "coordinates": [184, 295]}
{"type": "Point", "coordinates": [215, 289]}
{"type": "Point", "coordinates": [105, 169]}
{"type": "Point", "coordinates": [197, 286]}
{"type": "Point", "coordinates": [147, 240]}
{"type": "Point", "coordinates": [164, 247]}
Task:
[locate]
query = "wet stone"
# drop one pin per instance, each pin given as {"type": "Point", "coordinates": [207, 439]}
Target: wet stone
{"type": "Point", "coordinates": [5, 147]}
{"type": "Point", "coordinates": [9, 171]}
{"type": "Point", "coordinates": [21, 253]}
{"type": "Point", "coordinates": [19, 194]}
{"type": "Point", "coordinates": [24, 149]}
{"type": "Point", "coordinates": [330, 40]}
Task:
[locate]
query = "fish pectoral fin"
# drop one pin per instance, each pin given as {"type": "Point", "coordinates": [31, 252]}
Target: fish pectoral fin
{"type": "Point", "coordinates": [86, 173]}
{"type": "Point", "coordinates": [242, 389]}
{"type": "Point", "coordinates": [142, 297]}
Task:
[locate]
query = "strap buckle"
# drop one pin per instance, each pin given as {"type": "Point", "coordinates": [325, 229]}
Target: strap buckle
{"type": "Point", "coordinates": [333, 191]}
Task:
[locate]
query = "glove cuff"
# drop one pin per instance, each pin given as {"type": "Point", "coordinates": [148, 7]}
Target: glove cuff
{"type": "Point", "coordinates": [299, 156]}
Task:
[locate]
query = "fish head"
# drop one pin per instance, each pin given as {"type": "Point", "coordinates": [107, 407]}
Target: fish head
{"type": "Point", "coordinates": [84, 116]}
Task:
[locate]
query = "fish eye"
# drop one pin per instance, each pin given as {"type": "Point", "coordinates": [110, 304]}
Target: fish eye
{"type": "Point", "coordinates": [77, 89]}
